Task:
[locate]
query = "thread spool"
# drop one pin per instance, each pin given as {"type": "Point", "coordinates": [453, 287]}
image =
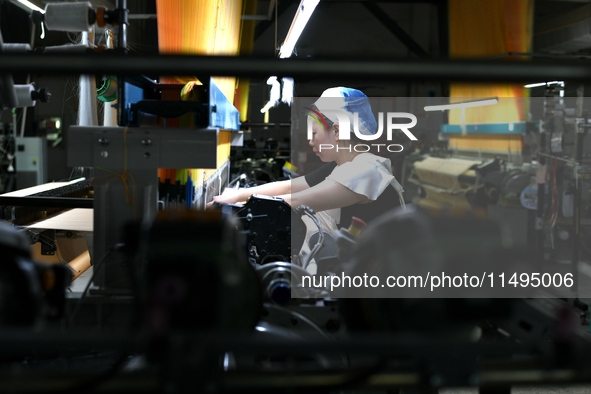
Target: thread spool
{"type": "Point", "coordinates": [15, 48]}
{"type": "Point", "coordinates": [109, 108]}
{"type": "Point", "coordinates": [23, 95]}
{"type": "Point", "coordinates": [107, 92]}
{"type": "Point", "coordinates": [73, 17]}
{"type": "Point", "coordinates": [87, 109]}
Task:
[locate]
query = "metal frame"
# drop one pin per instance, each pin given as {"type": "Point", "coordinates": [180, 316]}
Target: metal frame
{"type": "Point", "coordinates": [395, 29]}
{"type": "Point", "coordinates": [330, 69]}
{"type": "Point", "coordinates": [126, 162]}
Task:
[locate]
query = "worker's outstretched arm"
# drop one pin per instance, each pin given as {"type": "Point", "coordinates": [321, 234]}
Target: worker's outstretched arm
{"type": "Point", "coordinates": [232, 196]}
{"type": "Point", "coordinates": [326, 195]}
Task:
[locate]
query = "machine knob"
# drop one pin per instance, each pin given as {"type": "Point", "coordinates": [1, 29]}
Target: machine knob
{"type": "Point", "coordinates": [42, 95]}
{"type": "Point", "coordinates": [280, 292]}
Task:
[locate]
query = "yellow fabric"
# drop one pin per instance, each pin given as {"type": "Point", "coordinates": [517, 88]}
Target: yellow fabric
{"type": "Point", "coordinates": [246, 45]}
{"type": "Point", "coordinates": [203, 27]}
{"type": "Point", "coordinates": [500, 143]}
{"type": "Point", "coordinates": [483, 29]}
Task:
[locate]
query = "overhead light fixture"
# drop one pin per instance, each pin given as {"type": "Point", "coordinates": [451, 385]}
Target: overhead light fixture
{"type": "Point", "coordinates": [30, 6]}
{"type": "Point", "coordinates": [466, 104]}
{"type": "Point", "coordinates": [535, 85]}
{"type": "Point", "coordinates": [275, 94]}
{"type": "Point", "coordinates": [302, 16]}
{"type": "Point", "coordinates": [268, 106]}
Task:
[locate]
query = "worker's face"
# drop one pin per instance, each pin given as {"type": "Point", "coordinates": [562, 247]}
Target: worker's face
{"type": "Point", "coordinates": [324, 142]}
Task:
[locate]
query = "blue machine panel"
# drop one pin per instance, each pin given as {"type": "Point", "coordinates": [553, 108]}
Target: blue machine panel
{"type": "Point", "coordinates": [222, 113]}
{"type": "Point", "coordinates": [489, 128]}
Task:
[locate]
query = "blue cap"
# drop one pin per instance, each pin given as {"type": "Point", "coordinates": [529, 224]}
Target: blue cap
{"type": "Point", "coordinates": [351, 101]}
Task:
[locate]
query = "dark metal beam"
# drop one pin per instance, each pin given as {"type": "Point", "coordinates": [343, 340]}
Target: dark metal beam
{"type": "Point", "coordinates": [443, 29]}
{"type": "Point", "coordinates": [262, 26]}
{"type": "Point", "coordinates": [395, 29]}
{"type": "Point", "coordinates": [47, 202]}
{"type": "Point", "coordinates": [334, 68]}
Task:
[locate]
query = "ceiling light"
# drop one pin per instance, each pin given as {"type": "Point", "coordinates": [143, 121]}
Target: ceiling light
{"type": "Point", "coordinates": [466, 104]}
{"type": "Point", "coordinates": [534, 85]}
{"type": "Point", "coordinates": [31, 6]}
{"type": "Point", "coordinates": [303, 14]}
{"type": "Point", "coordinates": [268, 106]}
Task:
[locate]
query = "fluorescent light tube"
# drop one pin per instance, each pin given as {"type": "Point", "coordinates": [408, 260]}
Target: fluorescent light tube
{"type": "Point", "coordinates": [303, 14]}
{"type": "Point", "coordinates": [534, 85]}
{"type": "Point", "coordinates": [31, 6]}
{"type": "Point", "coordinates": [466, 104]}
{"type": "Point", "coordinates": [268, 106]}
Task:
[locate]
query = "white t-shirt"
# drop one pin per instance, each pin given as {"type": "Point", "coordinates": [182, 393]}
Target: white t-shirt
{"type": "Point", "coordinates": [368, 175]}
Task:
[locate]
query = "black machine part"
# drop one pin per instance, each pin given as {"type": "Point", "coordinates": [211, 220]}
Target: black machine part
{"type": "Point", "coordinates": [29, 291]}
{"type": "Point", "coordinates": [402, 241]}
{"type": "Point", "coordinates": [196, 273]}
{"type": "Point", "coordinates": [274, 231]}
{"type": "Point", "coordinates": [275, 280]}
{"type": "Point", "coordinates": [507, 184]}
{"type": "Point", "coordinates": [7, 94]}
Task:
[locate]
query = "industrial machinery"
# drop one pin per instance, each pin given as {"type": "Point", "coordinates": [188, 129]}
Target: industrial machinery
{"type": "Point", "coordinates": [32, 292]}
{"type": "Point", "coordinates": [180, 299]}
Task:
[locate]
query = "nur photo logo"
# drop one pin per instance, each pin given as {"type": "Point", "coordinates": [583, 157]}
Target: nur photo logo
{"type": "Point", "coordinates": [344, 121]}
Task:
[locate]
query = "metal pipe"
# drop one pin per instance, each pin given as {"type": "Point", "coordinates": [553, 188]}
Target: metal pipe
{"type": "Point", "coordinates": [46, 202]}
{"type": "Point", "coordinates": [121, 9]}
{"type": "Point", "coordinates": [541, 210]}
{"type": "Point", "coordinates": [380, 69]}
{"type": "Point", "coordinates": [558, 158]}
{"type": "Point", "coordinates": [261, 124]}
{"type": "Point", "coordinates": [576, 245]}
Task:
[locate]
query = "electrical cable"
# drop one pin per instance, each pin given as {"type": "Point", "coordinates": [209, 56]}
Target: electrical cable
{"type": "Point", "coordinates": [306, 210]}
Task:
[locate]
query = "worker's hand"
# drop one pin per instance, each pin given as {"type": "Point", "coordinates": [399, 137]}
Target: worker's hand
{"type": "Point", "coordinates": [229, 196]}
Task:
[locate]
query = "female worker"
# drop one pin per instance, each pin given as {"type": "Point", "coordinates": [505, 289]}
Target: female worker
{"type": "Point", "coordinates": [351, 183]}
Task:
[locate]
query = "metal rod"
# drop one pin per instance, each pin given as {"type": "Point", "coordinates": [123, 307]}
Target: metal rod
{"type": "Point", "coordinates": [261, 124]}
{"type": "Point", "coordinates": [576, 245]}
{"type": "Point", "coordinates": [558, 158]}
{"type": "Point", "coordinates": [47, 202]}
{"type": "Point", "coordinates": [142, 16]}
{"type": "Point", "coordinates": [380, 69]}
{"type": "Point", "coordinates": [145, 381]}
{"type": "Point", "coordinates": [121, 8]}
{"type": "Point", "coordinates": [541, 210]}
{"type": "Point", "coordinates": [395, 29]}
